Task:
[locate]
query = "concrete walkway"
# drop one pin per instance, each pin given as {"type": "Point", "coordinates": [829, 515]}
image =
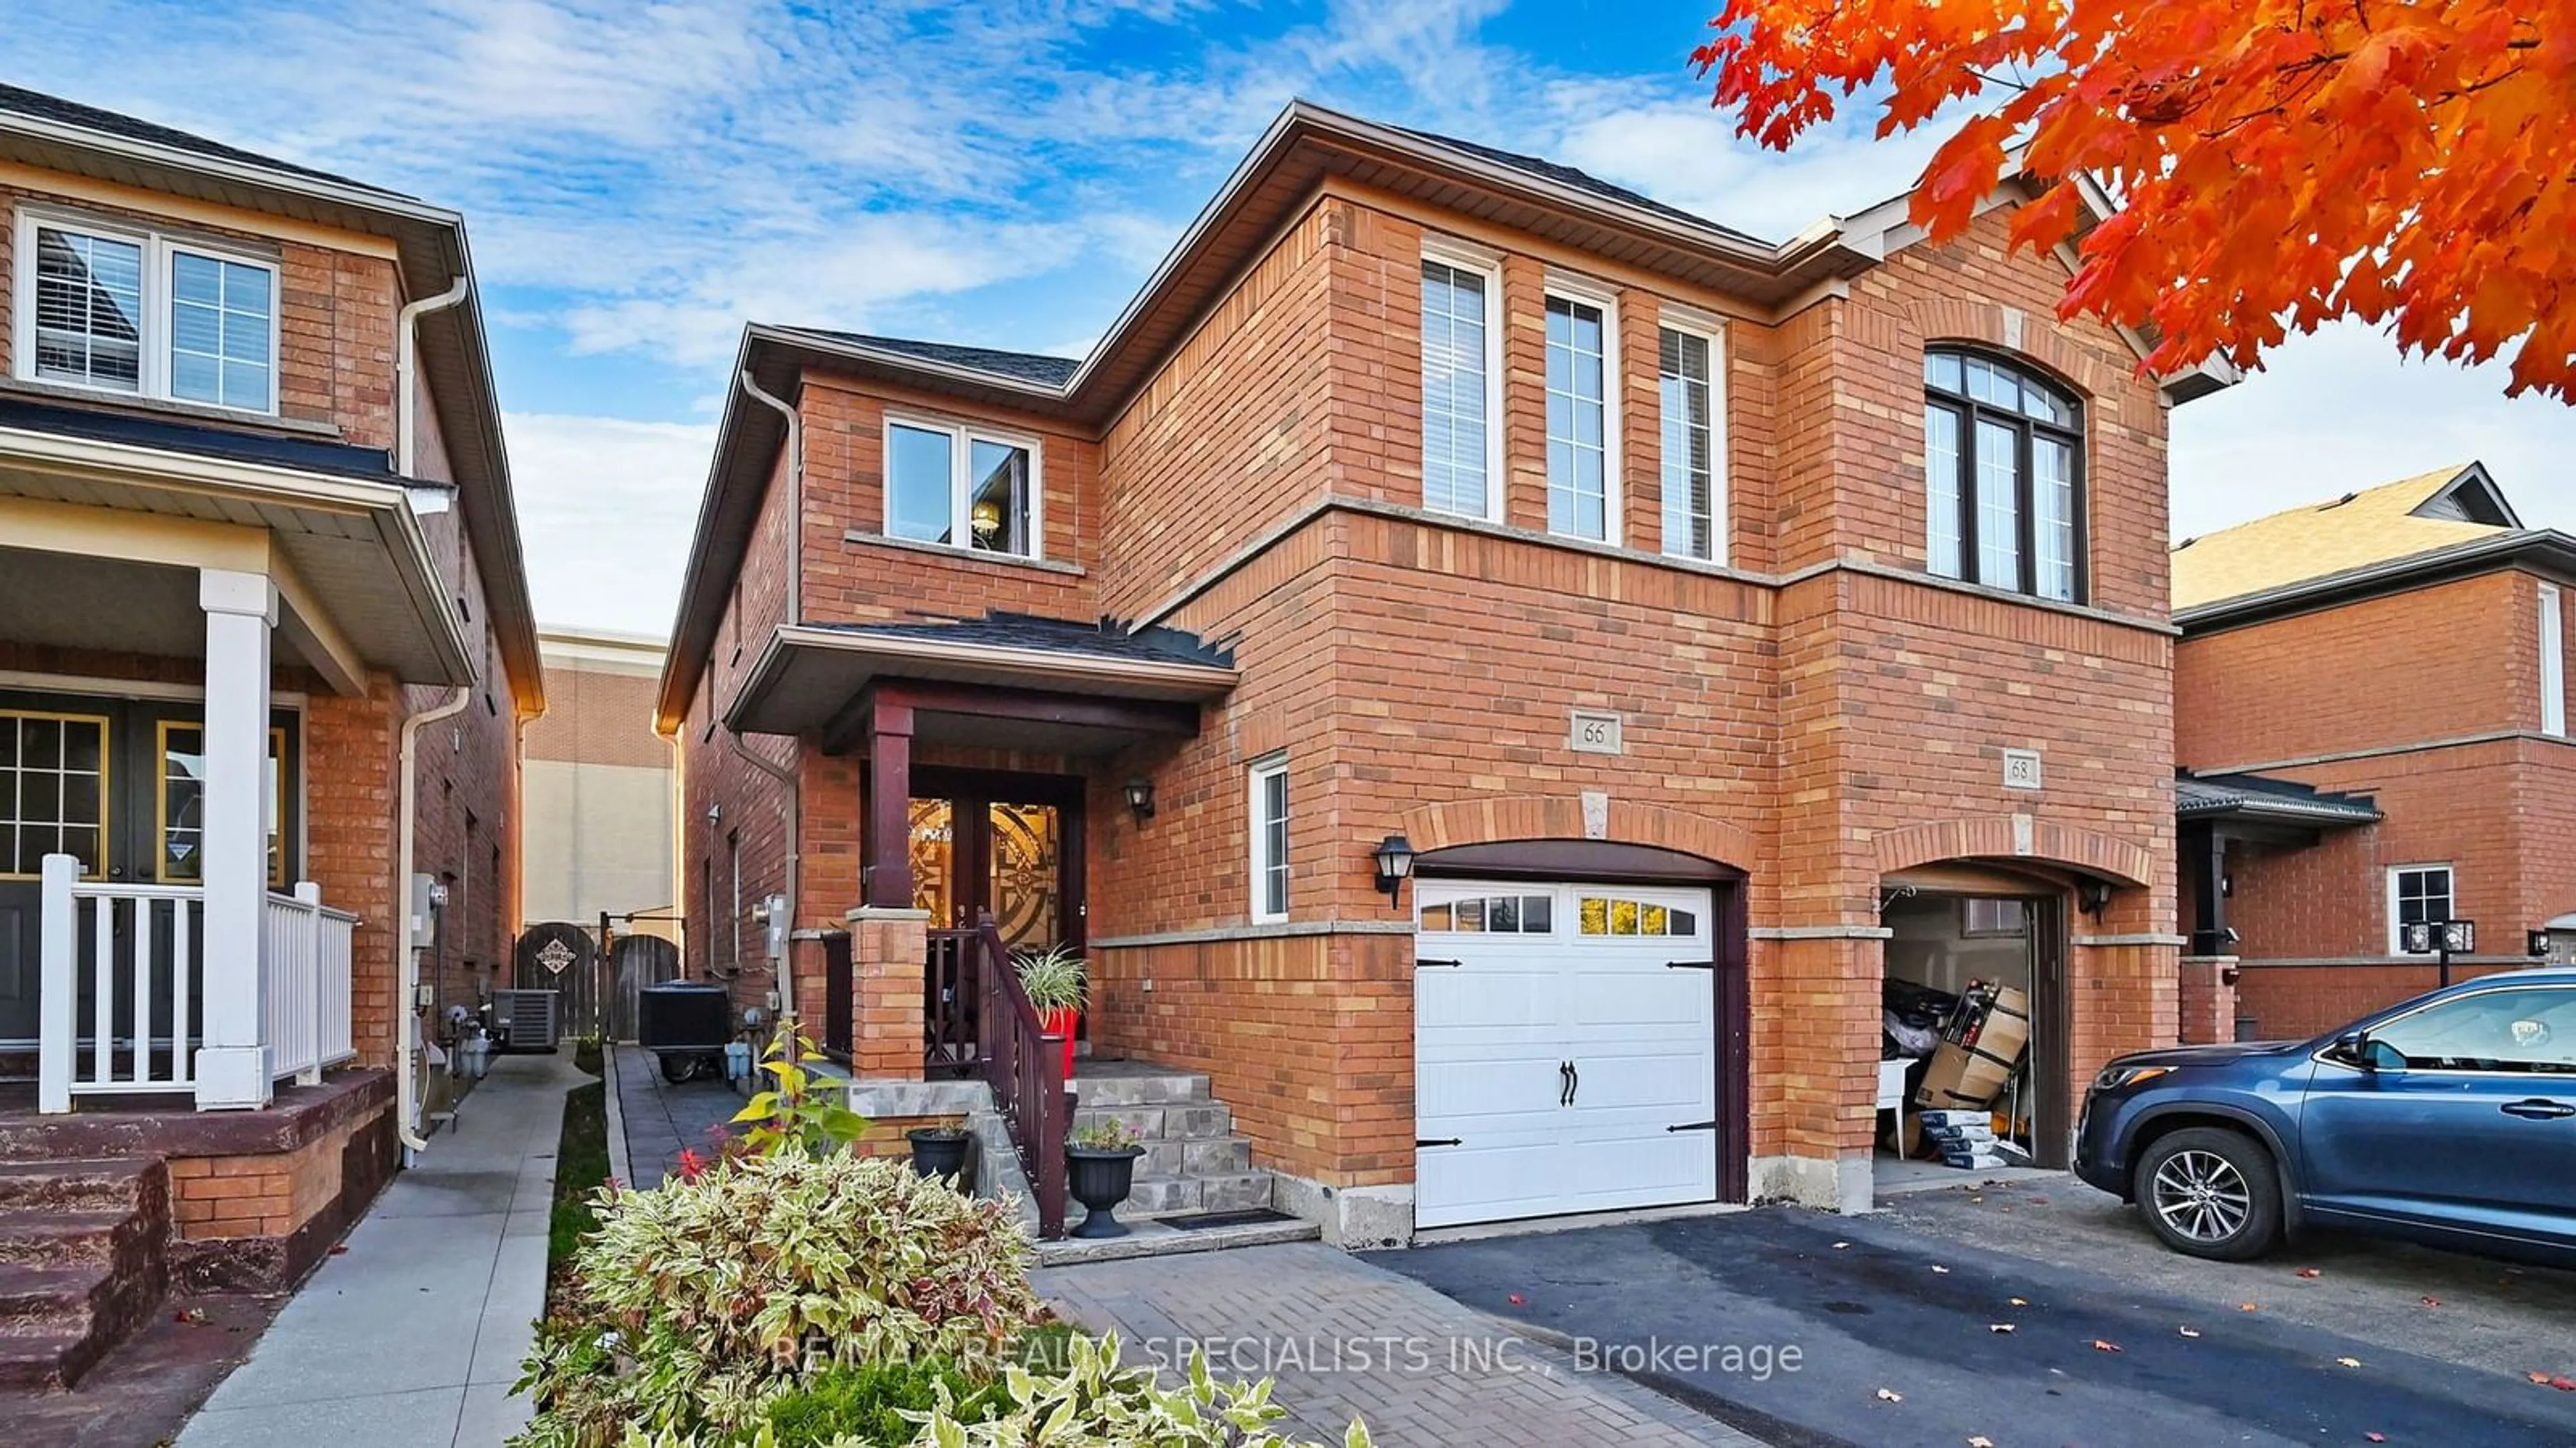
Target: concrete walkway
{"type": "Point", "coordinates": [1346, 1339]}
{"type": "Point", "coordinates": [412, 1337]}
{"type": "Point", "coordinates": [661, 1119]}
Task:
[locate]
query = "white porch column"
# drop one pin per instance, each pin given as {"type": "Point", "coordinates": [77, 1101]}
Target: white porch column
{"type": "Point", "coordinates": [232, 1063]}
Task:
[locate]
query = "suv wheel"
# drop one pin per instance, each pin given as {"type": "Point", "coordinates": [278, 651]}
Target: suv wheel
{"type": "Point", "coordinates": [2210, 1192]}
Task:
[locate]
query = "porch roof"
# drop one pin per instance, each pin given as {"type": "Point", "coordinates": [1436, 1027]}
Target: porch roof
{"type": "Point", "coordinates": [2257, 798]}
{"type": "Point", "coordinates": [808, 674]}
{"type": "Point", "coordinates": [108, 518]}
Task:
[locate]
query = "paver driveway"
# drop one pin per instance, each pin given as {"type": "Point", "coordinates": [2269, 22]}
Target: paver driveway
{"type": "Point", "coordinates": [1345, 1338]}
{"type": "Point", "coordinates": [1876, 1306]}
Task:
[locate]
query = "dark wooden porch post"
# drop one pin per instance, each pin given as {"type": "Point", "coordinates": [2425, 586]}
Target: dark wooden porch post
{"type": "Point", "coordinates": [887, 868]}
{"type": "Point", "coordinates": [2204, 852]}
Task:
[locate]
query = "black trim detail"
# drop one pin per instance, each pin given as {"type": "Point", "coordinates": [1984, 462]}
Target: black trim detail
{"type": "Point", "coordinates": [1443, 1141]}
{"type": "Point", "coordinates": [1692, 1126]}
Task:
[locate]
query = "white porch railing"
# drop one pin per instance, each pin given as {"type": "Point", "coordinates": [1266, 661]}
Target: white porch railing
{"type": "Point", "coordinates": [121, 1010]}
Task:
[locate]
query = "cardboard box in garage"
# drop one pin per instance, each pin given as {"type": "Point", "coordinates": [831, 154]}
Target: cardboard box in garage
{"type": "Point", "coordinates": [1970, 1072]}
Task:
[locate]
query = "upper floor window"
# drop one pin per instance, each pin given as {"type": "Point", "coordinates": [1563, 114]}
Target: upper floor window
{"type": "Point", "coordinates": [961, 485]}
{"type": "Point", "coordinates": [1694, 481]}
{"type": "Point", "coordinates": [134, 311]}
{"type": "Point", "coordinates": [2002, 467]}
{"type": "Point", "coordinates": [1580, 443]}
{"type": "Point", "coordinates": [1461, 375]}
{"type": "Point", "coordinates": [2553, 662]}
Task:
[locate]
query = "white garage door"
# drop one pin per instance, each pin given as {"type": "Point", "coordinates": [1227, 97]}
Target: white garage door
{"type": "Point", "coordinates": [1565, 1050]}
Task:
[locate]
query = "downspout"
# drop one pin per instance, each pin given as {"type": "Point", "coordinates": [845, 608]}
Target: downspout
{"type": "Point", "coordinates": [795, 610]}
{"type": "Point", "coordinates": [407, 366]}
{"type": "Point", "coordinates": [406, 956]}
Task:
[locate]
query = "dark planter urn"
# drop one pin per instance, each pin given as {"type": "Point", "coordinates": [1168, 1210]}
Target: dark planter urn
{"type": "Point", "coordinates": [938, 1151]}
{"type": "Point", "coordinates": [1100, 1180]}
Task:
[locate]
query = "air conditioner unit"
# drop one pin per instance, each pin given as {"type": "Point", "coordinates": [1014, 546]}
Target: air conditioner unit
{"type": "Point", "coordinates": [530, 1020]}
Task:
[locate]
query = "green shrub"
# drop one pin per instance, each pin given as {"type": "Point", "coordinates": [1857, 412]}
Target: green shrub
{"type": "Point", "coordinates": [867, 1404]}
{"type": "Point", "coordinates": [1096, 1403]}
{"type": "Point", "coordinates": [697, 1305]}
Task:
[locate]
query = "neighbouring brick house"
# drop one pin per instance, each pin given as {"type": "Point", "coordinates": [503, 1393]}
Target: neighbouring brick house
{"type": "Point", "coordinates": [261, 607]}
{"type": "Point", "coordinates": [2371, 708]}
{"type": "Point", "coordinates": [1726, 625]}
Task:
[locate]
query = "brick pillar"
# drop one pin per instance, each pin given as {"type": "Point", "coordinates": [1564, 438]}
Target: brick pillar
{"type": "Point", "coordinates": [1816, 1024]}
{"type": "Point", "coordinates": [2208, 1007]}
{"type": "Point", "coordinates": [889, 950]}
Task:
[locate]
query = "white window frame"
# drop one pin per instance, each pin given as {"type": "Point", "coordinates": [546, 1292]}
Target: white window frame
{"type": "Point", "coordinates": [1710, 330]}
{"type": "Point", "coordinates": [159, 248]}
{"type": "Point", "coordinates": [1583, 291]}
{"type": "Point", "coordinates": [1257, 839]}
{"type": "Point", "coordinates": [962, 437]}
{"type": "Point", "coordinates": [2553, 662]}
{"type": "Point", "coordinates": [2451, 878]}
{"type": "Point", "coordinates": [1468, 257]}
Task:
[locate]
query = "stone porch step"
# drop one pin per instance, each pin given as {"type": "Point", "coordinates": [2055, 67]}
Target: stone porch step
{"type": "Point", "coordinates": [47, 1301]}
{"type": "Point", "coordinates": [1130, 1083]}
{"type": "Point", "coordinates": [1204, 1156]}
{"type": "Point", "coordinates": [1180, 1121]}
{"type": "Point", "coordinates": [48, 1238]}
{"type": "Point", "coordinates": [98, 1184]}
{"type": "Point", "coordinates": [1163, 1196]}
{"type": "Point", "coordinates": [47, 1363]}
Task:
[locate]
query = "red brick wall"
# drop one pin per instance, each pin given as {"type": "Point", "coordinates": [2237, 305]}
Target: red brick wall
{"type": "Point", "coordinates": [335, 318]}
{"type": "Point", "coordinates": [1419, 675]}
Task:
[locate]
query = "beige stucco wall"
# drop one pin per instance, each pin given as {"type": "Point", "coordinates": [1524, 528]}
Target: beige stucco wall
{"type": "Point", "coordinates": [598, 839]}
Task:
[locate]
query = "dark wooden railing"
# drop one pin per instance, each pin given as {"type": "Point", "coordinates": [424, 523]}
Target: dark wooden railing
{"type": "Point", "coordinates": [836, 997]}
{"type": "Point", "coordinates": [952, 997]}
{"type": "Point", "coordinates": [1025, 1067]}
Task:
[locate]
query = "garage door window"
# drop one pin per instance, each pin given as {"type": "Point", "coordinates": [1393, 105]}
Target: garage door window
{"type": "Point", "coordinates": [1611, 915]}
{"type": "Point", "coordinates": [1493, 915]}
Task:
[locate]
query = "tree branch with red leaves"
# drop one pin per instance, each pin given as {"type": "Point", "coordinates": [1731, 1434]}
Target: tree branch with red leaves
{"type": "Point", "coordinates": [2279, 164]}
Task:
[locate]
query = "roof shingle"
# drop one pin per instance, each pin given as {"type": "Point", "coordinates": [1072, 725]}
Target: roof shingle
{"type": "Point", "coordinates": [1035, 367]}
{"type": "Point", "coordinates": [2379, 525]}
{"type": "Point", "coordinates": [1000, 630]}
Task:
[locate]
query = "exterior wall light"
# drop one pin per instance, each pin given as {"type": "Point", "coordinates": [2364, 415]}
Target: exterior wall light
{"type": "Point", "coordinates": [2093, 897]}
{"type": "Point", "coordinates": [1140, 798]}
{"type": "Point", "coordinates": [1394, 857]}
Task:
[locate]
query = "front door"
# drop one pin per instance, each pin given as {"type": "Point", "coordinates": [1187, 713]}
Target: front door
{"type": "Point", "coordinates": [1008, 843]}
{"type": "Point", "coordinates": [116, 783]}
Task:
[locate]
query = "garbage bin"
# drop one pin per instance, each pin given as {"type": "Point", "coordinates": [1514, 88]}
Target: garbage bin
{"type": "Point", "coordinates": [687, 1023]}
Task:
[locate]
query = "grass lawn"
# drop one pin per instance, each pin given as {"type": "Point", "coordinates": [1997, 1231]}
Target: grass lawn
{"type": "Point", "coordinates": [581, 1167]}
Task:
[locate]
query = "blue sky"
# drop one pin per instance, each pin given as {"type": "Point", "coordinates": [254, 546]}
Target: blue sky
{"type": "Point", "coordinates": [642, 176]}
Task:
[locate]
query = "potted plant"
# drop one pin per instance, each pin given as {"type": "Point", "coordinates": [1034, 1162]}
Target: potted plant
{"type": "Point", "coordinates": [938, 1150]}
{"type": "Point", "coordinates": [1100, 1170]}
{"type": "Point", "coordinates": [1055, 980]}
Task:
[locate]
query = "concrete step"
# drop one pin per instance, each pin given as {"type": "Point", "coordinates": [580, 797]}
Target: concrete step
{"type": "Point", "coordinates": [47, 1238]}
{"type": "Point", "coordinates": [1205, 1156]}
{"type": "Point", "coordinates": [1120, 1083]}
{"type": "Point", "coordinates": [45, 1301]}
{"type": "Point", "coordinates": [47, 1363]}
{"type": "Point", "coordinates": [1164, 1196]}
{"type": "Point", "coordinates": [108, 1183]}
{"type": "Point", "coordinates": [1172, 1122]}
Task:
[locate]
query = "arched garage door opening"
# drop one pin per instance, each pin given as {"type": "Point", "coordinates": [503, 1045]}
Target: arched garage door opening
{"type": "Point", "coordinates": [1580, 1024]}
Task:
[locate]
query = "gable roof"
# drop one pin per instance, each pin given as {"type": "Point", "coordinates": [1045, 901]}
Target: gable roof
{"type": "Point", "coordinates": [1039, 367]}
{"type": "Point", "coordinates": [2422, 514]}
{"type": "Point", "coordinates": [1565, 175]}
{"type": "Point", "coordinates": [36, 105]}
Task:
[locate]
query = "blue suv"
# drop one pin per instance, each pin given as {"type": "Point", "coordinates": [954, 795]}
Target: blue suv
{"type": "Point", "coordinates": [2449, 1120]}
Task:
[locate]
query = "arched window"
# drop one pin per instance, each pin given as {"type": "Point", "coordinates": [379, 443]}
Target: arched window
{"type": "Point", "coordinates": [2003, 460]}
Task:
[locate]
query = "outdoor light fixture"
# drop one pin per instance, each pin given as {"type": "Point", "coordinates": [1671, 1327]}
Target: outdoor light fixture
{"type": "Point", "coordinates": [1394, 856]}
{"type": "Point", "coordinates": [2093, 897]}
{"type": "Point", "coordinates": [2442, 938]}
{"type": "Point", "coordinates": [1140, 798]}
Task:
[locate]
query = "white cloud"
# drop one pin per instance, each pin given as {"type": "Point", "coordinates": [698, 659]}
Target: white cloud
{"type": "Point", "coordinates": [2339, 411]}
{"type": "Point", "coordinates": [606, 506]}
{"type": "Point", "coordinates": [1685, 154]}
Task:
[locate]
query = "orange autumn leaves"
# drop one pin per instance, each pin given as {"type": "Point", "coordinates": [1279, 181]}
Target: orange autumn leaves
{"type": "Point", "coordinates": [2278, 164]}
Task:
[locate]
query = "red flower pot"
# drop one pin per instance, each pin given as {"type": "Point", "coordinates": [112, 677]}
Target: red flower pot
{"type": "Point", "coordinates": [1062, 1021]}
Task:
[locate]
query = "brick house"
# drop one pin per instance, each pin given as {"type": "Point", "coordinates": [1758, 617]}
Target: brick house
{"type": "Point", "coordinates": [2426, 771]}
{"type": "Point", "coordinates": [261, 609]}
{"type": "Point", "coordinates": [1724, 626]}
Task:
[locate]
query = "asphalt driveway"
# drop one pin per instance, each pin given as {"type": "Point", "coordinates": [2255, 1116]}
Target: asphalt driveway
{"type": "Point", "coordinates": [1896, 1321]}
